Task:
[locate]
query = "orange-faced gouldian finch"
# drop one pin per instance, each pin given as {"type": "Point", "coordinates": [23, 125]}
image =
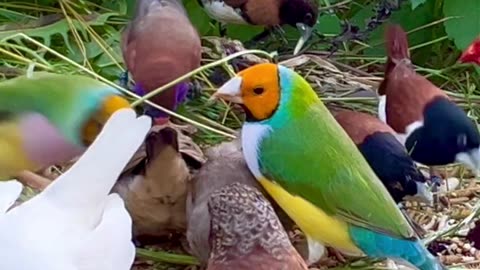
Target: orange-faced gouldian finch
{"type": "Point", "coordinates": [314, 171]}
{"type": "Point", "coordinates": [75, 223]}
{"type": "Point", "coordinates": [49, 118]}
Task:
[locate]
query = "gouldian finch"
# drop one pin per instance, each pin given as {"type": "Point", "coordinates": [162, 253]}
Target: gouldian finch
{"type": "Point", "coordinates": [74, 224]}
{"type": "Point", "coordinates": [314, 171]}
{"type": "Point", "coordinates": [49, 118]}
{"type": "Point", "coordinates": [245, 232]}
{"type": "Point", "coordinates": [386, 155]}
{"type": "Point", "coordinates": [302, 14]}
{"type": "Point", "coordinates": [432, 127]}
{"type": "Point", "coordinates": [159, 45]}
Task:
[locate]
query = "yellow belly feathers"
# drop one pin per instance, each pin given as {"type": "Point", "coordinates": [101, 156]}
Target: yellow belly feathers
{"type": "Point", "coordinates": [312, 221]}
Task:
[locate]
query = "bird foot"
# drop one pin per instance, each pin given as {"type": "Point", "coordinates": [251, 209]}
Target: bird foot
{"type": "Point", "coordinates": [337, 255]}
{"type": "Point", "coordinates": [123, 79]}
{"type": "Point", "coordinates": [195, 90]}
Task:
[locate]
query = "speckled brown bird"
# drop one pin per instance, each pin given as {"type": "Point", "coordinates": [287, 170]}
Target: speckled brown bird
{"type": "Point", "coordinates": [432, 127]}
{"type": "Point", "coordinates": [385, 154]}
{"type": "Point", "coordinates": [247, 234]}
{"type": "Point", "coordinates": [159, 45]}
{"type": "Point", "coordinates": [225, 165]}
{"type": "Point", "coordinates": [302, 14]}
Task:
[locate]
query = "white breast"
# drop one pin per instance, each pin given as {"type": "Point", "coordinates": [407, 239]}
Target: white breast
{"type": "Point", "coordinates": [252, 135]}
{"type": "Point", "coordinates": [222, 12]}
{"type": "Point", "coordinates": [382, 115]}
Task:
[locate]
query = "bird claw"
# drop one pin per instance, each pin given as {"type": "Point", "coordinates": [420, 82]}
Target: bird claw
{"type": "Point", "coordinates": [195, 90]}
{"type": "Point", "coordinates": [123, 79]}
{"type": "Point", "coordinates": [436, 181]}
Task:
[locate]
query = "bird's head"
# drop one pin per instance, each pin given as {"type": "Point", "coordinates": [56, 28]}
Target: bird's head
{"type": "Point", "coordinates": [94, 125]}
{"type": "Point", "coordinates": [264, 89]}
{"type": "Point", "coordinates": [303, 15]}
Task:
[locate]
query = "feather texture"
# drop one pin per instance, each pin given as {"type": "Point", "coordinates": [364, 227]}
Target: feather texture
{"type": "Point", "coordinates": [77, 224]}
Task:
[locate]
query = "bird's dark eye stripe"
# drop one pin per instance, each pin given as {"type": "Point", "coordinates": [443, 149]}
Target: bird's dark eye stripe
{"type": "Point", "coordinates": [258, 90]}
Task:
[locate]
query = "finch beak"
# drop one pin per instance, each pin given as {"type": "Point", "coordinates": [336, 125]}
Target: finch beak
{"type": "Point", "coordinates": [471, 159]}
{"type": "Point", "coordinates": [230, 91]}
{"type": "Point", "coordinates": [306, 33]}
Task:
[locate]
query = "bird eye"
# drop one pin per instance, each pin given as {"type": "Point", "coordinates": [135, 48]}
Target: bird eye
{"type": "Point", "coordinates": [308, 18]}
{"type": "Point", "coordinates": [462, 140]}
{"type": "Point", "coordinates": [258, 90]}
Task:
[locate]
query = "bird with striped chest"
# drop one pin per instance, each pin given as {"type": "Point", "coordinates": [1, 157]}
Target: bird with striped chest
{"type": "Point", "coordinates": [388, 158]}
{"type": "Point", "coordinates": [312, 169]}
{"type": "Point", "coordinates": [159, 45]}
{"type": "Point", "coordinates": [302, 14]}
{"type": "Point", "coordinates": [432, 127]}
{"type": "Point", "coordinates": [49, 118]}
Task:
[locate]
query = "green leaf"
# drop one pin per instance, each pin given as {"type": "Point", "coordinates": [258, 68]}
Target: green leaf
{"type": "Point", "coordinates": [198, 17]}
{"type": "Point", "coordinates": [416, 3]}
{"type": "Point", "coordinates": [409, 20]}
{"type": "Point", "coordinates": [465, 28]}
{"type": "Point", "coordinates": [243, 32]}
{"type": "Point", "coordinates": [329, 24]}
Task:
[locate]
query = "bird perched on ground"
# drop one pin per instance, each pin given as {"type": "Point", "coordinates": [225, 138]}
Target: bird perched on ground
{"type": "Point", "coordinates": [225, 166]}
{"type": "Point", "coordinates": [433, 128]}
{"type": "Point", "coordinates": [159, 45]}
{"type": "Point", "coordinates": [313, 170]}
{"type": "Point", "coordinates": [388, 158]}
{"type": "Point", "coordinates": [302, 14]}
{"type": "Point", "coordinates": [156, 189]}
{"type": "Point", "coordinates": [49, 118]}
{"type": "Point", "coordinates": [245, 232]}
{"type": "Point", "coordinates": [74, 223]}
{"type": "Point", "coordinates": [472, 53]}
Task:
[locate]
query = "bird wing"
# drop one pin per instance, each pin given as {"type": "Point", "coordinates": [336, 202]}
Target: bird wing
{"type": "Point", "coordinates": [312, 157]}
{"type": "Point", "coordinates": [9, 192]}
{"type": "Point", "coordinates": [109, 246]}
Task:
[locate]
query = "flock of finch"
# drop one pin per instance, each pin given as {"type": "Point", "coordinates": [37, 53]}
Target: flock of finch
{"type": "Point", "coordinates": [339, 175]}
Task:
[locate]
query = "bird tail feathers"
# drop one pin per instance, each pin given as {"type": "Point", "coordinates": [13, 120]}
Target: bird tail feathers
{"type": "Point", "coordinates": [379, 245]}
{"type": "Point", "coordinates": [109, 246]}
{"type": "Point", "coordinates": [87, 183]}
{"type": "Point", "coordinates": [9, 192]}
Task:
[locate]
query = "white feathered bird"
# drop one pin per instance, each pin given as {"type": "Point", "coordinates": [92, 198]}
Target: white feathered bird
{"type": "Point", "coordinates": [74, 224]}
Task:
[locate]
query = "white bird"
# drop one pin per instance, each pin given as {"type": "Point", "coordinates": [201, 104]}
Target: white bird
{"type": "Point", "coordinates": [74, 224]}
